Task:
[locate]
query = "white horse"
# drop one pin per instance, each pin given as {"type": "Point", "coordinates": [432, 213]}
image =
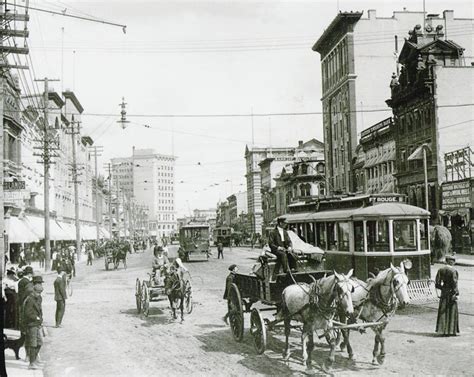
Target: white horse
{"type": "Point", "coordinates": [376, 301]}
{"type": "Point", "coordinates": [314, 305]}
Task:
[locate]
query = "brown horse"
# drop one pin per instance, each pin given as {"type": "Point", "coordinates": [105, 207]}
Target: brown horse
{"type": "Point", "coordinates": [314, 305]}
{"type": "Point", "coordinates": [377, 301]}
{"type": "Point", "coordinates": [175, 290]}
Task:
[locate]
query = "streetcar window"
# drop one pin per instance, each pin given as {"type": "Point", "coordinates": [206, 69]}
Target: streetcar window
{"type": "Point", "coordinates": [343, 236]}
{"type": "Point", "coordinates": [377, 236]}
{"type": "Point", "coordinates": [332, 235]}
{"type": "Point", "coordinates": [321, 235]}
{"type": "Point", "coordinates": [310, 233]}
{"type": "Point", "coordinates": [404, 235]}
{"type": "Point", "coordinates": [359, 235]}
{"type": "Point", "coordinates": [424, 234]}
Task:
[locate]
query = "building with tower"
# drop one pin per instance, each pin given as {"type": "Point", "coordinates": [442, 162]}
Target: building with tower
{"type": "Point", "coordinates": [357, 53]}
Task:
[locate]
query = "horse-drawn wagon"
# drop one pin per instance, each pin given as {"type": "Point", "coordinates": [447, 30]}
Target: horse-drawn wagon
{"type": "Point", "coordinates": [323, 301]}
{"type": "Point", "coordinates": [160, 285]}
{"type": "Point", "coordinates": [114, 253]}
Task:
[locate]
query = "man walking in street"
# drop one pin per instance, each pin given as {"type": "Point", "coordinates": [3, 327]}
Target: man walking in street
{"type": "Point", "coordinates": [447, 323]}
{"type": "Point", "coordinates": [60, 296]}
{"type": "Point", "coordinates": [89, 256]}
{"type": "Point", "coordinates": [33, 321]}
{"type": "Point", "coordinates": [220, 250]}
{"type": "Point", "coordinates": [228, 283]}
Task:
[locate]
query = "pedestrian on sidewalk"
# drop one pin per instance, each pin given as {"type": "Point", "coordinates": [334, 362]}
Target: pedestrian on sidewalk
{"type": "Point", "coordinates": [220, 250]}
{"type": "Point", "coordinates": [25, 288]}
{"type": "Point", "coordinates": [228, 283]}
{"type": "Point", "coordinates": [33, 322]}
{"type": "Point", "coordinates": [60, 296]}
{"type": "Point", "coordinates": [447, 322]}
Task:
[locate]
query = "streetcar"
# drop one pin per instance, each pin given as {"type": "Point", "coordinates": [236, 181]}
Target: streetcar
{"type": "Point", "coordinates": [194, 242]}
{"type": "Point", "coordinates": [369, 238]}
{"type": "Point", "coordinates": [223, 234]}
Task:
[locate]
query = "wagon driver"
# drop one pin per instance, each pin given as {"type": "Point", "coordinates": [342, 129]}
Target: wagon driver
{"type": "Point", "coordinates": [160, 260]}
{"type": "Point", "coordinates": [281, 246]}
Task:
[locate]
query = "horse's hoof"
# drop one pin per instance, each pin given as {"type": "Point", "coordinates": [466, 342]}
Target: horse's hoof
{"type": "Point", "coordinates": [380, 359]}
{"type": "Point", "coordinates": [374, 361]}
{"type": "Point", "coordinates": [343, 346]}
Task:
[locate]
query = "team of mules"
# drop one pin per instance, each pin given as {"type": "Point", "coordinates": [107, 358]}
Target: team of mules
{"type": "Point", "coordinates": [327, 304]}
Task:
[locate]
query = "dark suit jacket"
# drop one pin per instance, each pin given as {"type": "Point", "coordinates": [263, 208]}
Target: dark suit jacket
{"type": "Point", "coordinates": [228, 283]}
{"type": "Point", "coordinates": [60, 289]}
{"type": "Point", "coordinates": [274, 240]}
{"type": "Point", "coordinates": [33, 313]}
{"type": "Point", "coordinates": [25, 287]}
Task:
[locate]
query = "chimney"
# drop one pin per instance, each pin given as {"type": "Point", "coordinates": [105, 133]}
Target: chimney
{"type": "Point", "coordinates": [300, 143]}
{"type": "Point", "coordinates": [372, 14]}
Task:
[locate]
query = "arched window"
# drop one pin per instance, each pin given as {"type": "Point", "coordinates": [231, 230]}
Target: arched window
{"type": "Point", "coordinates": [304, 169]}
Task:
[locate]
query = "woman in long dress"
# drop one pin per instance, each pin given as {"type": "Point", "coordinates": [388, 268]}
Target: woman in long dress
{"type": "Point", "coordinates": [447, 323]}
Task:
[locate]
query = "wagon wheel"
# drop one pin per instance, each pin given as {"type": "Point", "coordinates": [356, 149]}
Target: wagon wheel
{"type": "Point", "coordinates": [145, 299]}
{"type": "Point", "coordinates": [258, 331]}
{"type": "Point", "coordinates": [236, 313]}
{"type": "Point", "coordinates": [138, 295]}
{"type": "Point", "coordinates": [188, 298]}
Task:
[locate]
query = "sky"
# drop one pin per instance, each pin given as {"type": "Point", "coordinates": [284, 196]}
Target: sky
{"type": "Point", "coordinates": [195, 58]}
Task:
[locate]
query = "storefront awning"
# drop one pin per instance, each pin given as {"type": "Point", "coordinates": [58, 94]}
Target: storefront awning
{"type": "Point", "coordinates": [57, 233]}
{"type": "Point", "coordinates": [104, 233]}
{"type": "Point", "coordinates": [69, 230]}
{"type": "Point", "coordinates": [19, 231]}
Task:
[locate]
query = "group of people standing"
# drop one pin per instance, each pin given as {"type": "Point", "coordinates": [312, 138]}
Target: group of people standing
{"type": "Point", "coordinates": [22, 303]}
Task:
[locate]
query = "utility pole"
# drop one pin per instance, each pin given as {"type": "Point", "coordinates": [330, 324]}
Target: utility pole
{"type": "Point", "coordinates": [117, 211]}
{"type": "Point", "coordinates": [7, 31]}
{"type": "Point", "coordinates": [108, 167]}
{"type": "Point", "coordinates": [97, 150]}
{"type": "Point", "coordinates": [48, 146]}
{"type": "Point", "coordinates": [75, 174]}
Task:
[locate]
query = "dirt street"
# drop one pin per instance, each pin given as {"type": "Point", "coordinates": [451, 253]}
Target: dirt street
{"type": "Point", "coordinates": [103, 335]}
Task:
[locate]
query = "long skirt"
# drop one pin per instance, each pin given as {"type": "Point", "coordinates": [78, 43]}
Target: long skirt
{"type": "Point", "coordinates": [447, 322]}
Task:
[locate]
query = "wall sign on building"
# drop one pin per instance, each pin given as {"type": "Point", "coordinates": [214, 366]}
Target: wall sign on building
{"type": "Point", "coordinates": [15, 185]}
{"type": "Point", "coordinates": [456, 195]}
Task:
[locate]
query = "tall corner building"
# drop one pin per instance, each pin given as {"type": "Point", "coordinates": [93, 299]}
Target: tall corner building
{"type": "Point", "coordinates": [358, 56]}
{"type": "Point", "coordinates": [149, 178]}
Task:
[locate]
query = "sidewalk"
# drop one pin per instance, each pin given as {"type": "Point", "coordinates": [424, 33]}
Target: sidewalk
{"type": "Point", "coordinates": [19, 368]}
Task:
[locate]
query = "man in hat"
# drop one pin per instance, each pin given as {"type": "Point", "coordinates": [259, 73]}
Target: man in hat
{"type": "Point", "coordinates": [33, 321]}
{"type": "Point", "coordinates": [25, 287]}
{"type": "Point", "coordinates": [60, 296]}
{"type": "Point", "coordinates": [447, 323]}
{"type": "Point", "coordinates": [280, 246]}
{"type": "Point", "coordinates": [228, 282]}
